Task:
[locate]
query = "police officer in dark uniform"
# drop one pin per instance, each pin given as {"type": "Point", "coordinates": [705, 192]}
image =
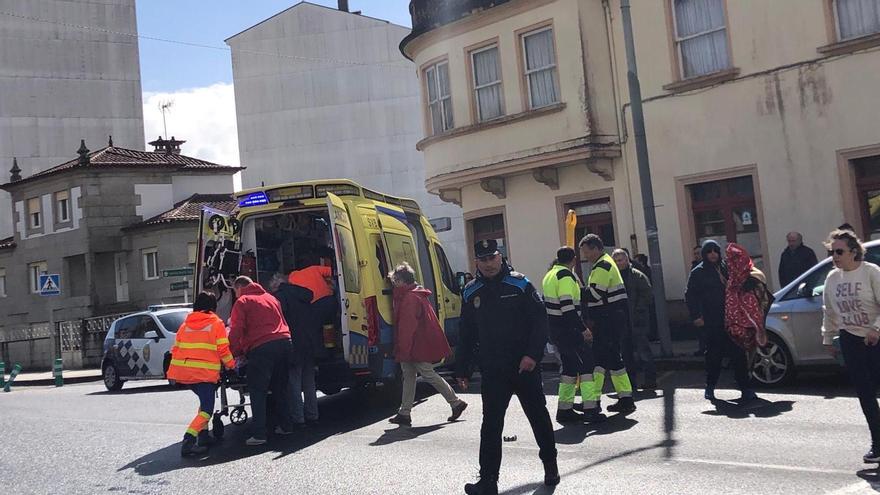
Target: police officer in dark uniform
{"type": "Point", "coordinates": [504, 323]}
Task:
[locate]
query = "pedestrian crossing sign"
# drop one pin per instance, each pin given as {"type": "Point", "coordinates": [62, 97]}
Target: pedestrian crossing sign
{"type": "Point", "coordinates": [50, 285]}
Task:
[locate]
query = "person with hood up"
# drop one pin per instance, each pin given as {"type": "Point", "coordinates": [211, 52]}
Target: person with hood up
{"type": "Point", "coordinates": [200, 346]}
{"type": "Point", "coordinates": [746, 300]}
{"type": "Point", "coordinates": [705, 297]}
{"type": "Point", "coordinates": [419, 341]}
{"type": "Point", "coordinates": [257, 330]}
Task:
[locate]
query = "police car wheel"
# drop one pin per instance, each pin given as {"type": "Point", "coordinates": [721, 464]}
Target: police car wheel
{"type": "Point", "coordinates": [111, 377]}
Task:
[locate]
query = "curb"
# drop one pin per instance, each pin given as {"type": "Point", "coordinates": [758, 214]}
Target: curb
{"type": "Point", "coordinates": [42, 382]}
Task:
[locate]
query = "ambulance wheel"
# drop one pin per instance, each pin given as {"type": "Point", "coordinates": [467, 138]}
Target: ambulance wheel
{"type": "Point", "coordinates": [218, 426]}
{"type": "Point", "coordinates": [238, 416]}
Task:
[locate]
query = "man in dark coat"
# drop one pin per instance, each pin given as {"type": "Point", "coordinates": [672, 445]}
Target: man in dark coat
{"type": "Point", "coordinates": [635, 346]}
{"type": "Point", "coordinates": [705, 301]}
{"type": "Point", "coordinates": [795, 260]}
{"type": "Point", "coordinates": [503, 320]}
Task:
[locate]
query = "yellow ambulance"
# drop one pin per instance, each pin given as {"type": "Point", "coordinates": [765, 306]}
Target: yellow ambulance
{"type": "Point", "coordinates": [362, 234]}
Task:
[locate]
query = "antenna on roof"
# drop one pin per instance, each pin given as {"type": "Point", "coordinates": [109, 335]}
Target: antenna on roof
{"type": "Point", "coordinates": [165, 105]}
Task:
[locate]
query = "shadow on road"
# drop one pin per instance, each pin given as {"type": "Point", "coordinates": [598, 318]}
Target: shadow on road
{"type": "Point", "coordinates": [149, 389]}
{"type": "Point", "coordinates": [404, 433]}
{"type": "Point", "coordinates": [758, 408]}
{"type": "Point", "coordinates": [340, 413]}
{"type": "Point", "coordinates": [573, 434]}
{"type": "Point", "coordinates": [872, 476]}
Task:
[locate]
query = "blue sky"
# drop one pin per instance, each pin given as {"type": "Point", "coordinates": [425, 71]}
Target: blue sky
{"type": "Point", "coordinates": [169, 67]}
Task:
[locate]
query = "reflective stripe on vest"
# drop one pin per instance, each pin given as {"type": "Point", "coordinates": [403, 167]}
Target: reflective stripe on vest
{"type": "Point", "coordinates": [196, 364]}
{"type": "Point", "coordinates": [192, 345]}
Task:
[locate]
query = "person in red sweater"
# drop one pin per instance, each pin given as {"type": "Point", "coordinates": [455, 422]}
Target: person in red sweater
{"type": "Point", "coordinates": [257, 331]}
{"type": "Point", "coordinates": [419, 341]}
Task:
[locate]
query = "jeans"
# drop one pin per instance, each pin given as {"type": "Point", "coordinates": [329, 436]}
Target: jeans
{"type": "Point", "coordinates": [863, 367]}
{"type": "Point", "coordinates": [205, 393]}
{"type": "Point", "coordinates": [302, 382]}
{"type": "Point", "coordinates": [410, 370]}
{"type": "Point", "coordinates": [267, 371]}
{"type": "Point", "coordinates": [718, 346]}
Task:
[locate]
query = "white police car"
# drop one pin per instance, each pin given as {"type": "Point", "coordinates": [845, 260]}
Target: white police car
{"type": "Point", "coordinates": [138, 346]}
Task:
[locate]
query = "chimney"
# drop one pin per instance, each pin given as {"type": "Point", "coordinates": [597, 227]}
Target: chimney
{"type": "Point", "coordinates": [343, 5]}
{"type": "Point", "coordinates": [83, 153]}
{"type": "Point", "coordinates": [167, 146]}
{"type": "Point", "coordinates": [15, 175]}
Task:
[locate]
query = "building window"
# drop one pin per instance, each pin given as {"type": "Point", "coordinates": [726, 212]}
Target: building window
{"type": "Point", "coordinates": [2, 282]}
{"type": "Point", "coordinates": [867, 171]}
{"type": "Point", "coordinates": [593, 217]}
{"type": "Point", "coordinates": [35, 213]}
{"type": "Point", "coordinates": [700, 36]}
{"type": "Point", "coordinates": [192, 252]}
{"type": "Point", "coordinates": [540, 68]}
{"type": "Point", "coordinates": [856, 18]}
{"type": "Point", "coordinates": [487, 83]}
{"type": "Point", "coordinates": [725, 211]}
{"type": "Point", "coordinates": [490, 227]}
{"type": "Point", "coordinates": [62, 206]}
{"type": "Point", "coordinates": [151, 263]}
{"type": "Point", "coordinates": [34, 272]}
{"type": "Point", "coordinates": [439, 97]}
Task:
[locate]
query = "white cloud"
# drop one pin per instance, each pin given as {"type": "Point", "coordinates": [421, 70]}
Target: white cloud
{"type": "Point", "coordinates": [204, 117]}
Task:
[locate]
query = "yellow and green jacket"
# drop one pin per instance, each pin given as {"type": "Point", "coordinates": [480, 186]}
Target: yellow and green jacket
{"type": "Point", "coordinates": [605, 291]}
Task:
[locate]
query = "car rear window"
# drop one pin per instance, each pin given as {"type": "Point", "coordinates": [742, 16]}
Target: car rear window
{"type": "Point", "coordinates": [172, 321]}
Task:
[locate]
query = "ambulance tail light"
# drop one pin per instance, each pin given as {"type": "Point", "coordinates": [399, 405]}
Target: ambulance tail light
{"type": "Point", "coordinates": [372, 321]}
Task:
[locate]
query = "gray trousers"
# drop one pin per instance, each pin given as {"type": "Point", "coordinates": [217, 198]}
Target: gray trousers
{"type": "Point", "coordinates": [302, 383]}
{"type": "Point", "coordinates": [410, 370]}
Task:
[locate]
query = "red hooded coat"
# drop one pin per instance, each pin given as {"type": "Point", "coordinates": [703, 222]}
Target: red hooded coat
{"type": "Point", "coordinates": [418, 337]}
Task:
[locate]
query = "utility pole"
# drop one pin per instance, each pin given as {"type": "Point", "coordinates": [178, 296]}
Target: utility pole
{"type": "Point", "coordinates": [635, 97]}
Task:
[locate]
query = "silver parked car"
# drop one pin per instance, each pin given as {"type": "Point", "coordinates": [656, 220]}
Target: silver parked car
{"type": "Point", "coordinates": [794, 325]}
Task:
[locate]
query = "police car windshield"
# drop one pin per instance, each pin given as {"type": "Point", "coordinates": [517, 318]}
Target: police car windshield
{"type": "Point", "coordinates": [172, 321]}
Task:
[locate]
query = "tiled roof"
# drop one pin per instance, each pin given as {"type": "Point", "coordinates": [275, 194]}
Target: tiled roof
{"type": "Point", "coordinates": [7, 243]}
{"type": "Point", "coordinates": [114, 157]}
{"type": "Point", "coordinates": [189, 210]}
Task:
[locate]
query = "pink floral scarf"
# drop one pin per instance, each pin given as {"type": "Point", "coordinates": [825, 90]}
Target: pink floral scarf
{"type": "Point", "coordinates": [743, 315]}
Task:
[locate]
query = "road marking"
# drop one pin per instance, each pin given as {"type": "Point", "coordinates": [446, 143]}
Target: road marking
{"type": "Point", "coordinates": [803, 469]}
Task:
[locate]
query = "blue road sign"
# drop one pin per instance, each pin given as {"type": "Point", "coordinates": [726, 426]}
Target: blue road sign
{"type": "Point", "coordinates": [50, 285]}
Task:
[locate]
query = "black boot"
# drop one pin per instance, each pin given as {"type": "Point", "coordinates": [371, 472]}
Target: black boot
{"type": "Point", "coordinates": [486, 486]}
{"type": "Point", "coordinates": [205, 440]}
{"type": "Point", "coordinates": [190, 447]}
{"type": "Point", "coordinates": [594, 416]}
{"type": "Point", "coordinates": [564, 416]}
{"type": "Point", "coordinates": [624, 405]}
{"type": "Point", "coordinates": [551, 473]}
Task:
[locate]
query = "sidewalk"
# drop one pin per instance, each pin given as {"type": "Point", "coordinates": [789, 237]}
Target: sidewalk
{"type": "Point", "coordinates": [682, 356]}
{"type": "Point", "coordinates": [43, 378]}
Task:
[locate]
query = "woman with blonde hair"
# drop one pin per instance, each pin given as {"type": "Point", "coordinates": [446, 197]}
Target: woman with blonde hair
{"type": "Point", "coordinates": [852, 314]}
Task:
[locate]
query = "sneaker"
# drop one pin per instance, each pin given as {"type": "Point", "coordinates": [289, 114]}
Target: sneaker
{"type": "Point", "coordinates": [568, 416]}
{"type": "Point", "coordinates": [281, 431]}
{"type": "Point", "coordinates": [401, 419]}
{"type": "Point", "coordinates": [594, 416]}
{"type": "Point", "coordinates": [457, 409]}
{"type": "Point", "coordinates": [254, 441]}
{"type": "Point", "coordinates": [551, 474]}
{"type": "Point", "coordinates": [709, 394]}
{"type": "Point", "coordinates": [189, 447]}
{"type": "Point", "coordinates": [486, 486]}
{"type": "Point", "coordinates": [623, 405]}
{"type": "Point", "coordinates": [871, 457]}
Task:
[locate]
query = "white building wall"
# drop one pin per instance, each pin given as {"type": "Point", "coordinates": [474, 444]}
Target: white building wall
{"type": "Point", "coordinates": [155, 199]}
{"type": "Point", "coordinates": [184, 186]}
{"type": "Point", "coordinates": [60, 84]}
{"type": "Point", "coordinates": [339, 102]}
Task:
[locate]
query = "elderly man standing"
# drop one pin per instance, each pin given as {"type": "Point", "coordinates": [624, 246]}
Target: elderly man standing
{"type": "Point", "coordinates": [258, 332]}
{"type": "Point", "coordinates": [635, 344]}
{"type": "Point", "coordinates": [796, 259]}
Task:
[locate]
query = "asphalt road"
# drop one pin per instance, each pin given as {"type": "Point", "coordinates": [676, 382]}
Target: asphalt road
{"type": "Point", "coordinates": [81, 439]}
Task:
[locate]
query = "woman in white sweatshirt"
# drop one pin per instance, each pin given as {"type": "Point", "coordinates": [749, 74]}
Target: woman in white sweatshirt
{"type": "Point", "coordinates": [852, 311]}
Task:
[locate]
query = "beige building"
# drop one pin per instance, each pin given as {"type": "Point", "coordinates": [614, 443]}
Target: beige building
{"type": "Point", "coordinates": [760, 116]}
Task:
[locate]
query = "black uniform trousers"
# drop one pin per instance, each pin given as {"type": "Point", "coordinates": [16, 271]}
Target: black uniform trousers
{"type": "Point", "coordinates": [497, 387]}
{"type": "Point", "coordinates": [576, 361]}
{"type": "Point", "coordinates": [606, 347]}
{"type": "Point", "coordinates": [863, 366]}
{"type": "Point", "coordinates": [718, 346]}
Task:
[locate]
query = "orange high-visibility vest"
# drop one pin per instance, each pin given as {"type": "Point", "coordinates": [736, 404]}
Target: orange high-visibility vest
{"type": "Point", "coordinates": [199, 349]}
{"type": "Point", "coordinates": [313, 278]}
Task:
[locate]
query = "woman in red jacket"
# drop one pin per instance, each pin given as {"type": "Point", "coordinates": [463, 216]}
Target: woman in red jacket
{"type": "Point", "coordinates": [419, 341]}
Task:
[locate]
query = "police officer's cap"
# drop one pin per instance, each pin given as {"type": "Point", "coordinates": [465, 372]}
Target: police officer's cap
{"type": "Point", "coordinates": [488, 247]}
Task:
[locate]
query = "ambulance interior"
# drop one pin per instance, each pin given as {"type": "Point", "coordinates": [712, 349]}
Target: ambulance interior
{"type": "Point", "coordinates": [284, 242]}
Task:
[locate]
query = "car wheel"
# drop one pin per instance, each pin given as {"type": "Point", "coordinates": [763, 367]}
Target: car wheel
{"type": "Point", "coordinates": [111, 377]}
{"type": "Point", "coordinates": [772, 364]}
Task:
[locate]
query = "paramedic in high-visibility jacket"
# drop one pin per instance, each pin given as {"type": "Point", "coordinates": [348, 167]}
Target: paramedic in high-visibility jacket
{"type": "Point", "coordinates": [504, 328]}
{"type": "Point", "coordinates": [562, 300]}
{"type": "Point", "coordinates": [200, 348]}
{"type": "Point", "coordinates": [607, 316]}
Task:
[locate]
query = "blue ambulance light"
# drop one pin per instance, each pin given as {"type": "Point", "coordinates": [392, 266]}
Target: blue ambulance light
{"type": "Point", "coordinates": [254, 199]}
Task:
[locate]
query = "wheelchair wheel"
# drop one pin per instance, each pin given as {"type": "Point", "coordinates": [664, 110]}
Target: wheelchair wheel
{"type": "Point", "coordinates": [238, 416]}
